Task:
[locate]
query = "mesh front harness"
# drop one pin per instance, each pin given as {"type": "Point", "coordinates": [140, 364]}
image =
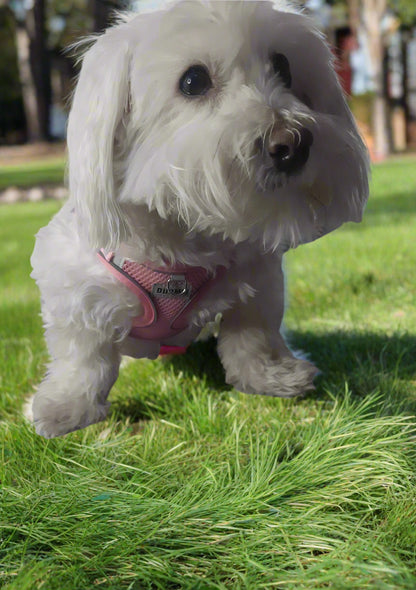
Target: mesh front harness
{"type": "Point", "coordinates": [167, 294]}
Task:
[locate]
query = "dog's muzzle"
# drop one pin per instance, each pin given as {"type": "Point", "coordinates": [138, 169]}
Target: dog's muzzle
{"type": "Point", "coordinates": [289, 148]}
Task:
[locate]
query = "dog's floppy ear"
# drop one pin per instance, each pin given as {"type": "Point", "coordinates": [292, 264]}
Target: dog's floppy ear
{"type": "Point", "coordinates": [336, 177]}
{"type": "Point", "coordinates": [100, 101]}
{"type": "Point", "coordinates": [339, 157]}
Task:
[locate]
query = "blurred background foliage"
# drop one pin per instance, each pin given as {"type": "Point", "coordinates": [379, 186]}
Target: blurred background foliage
{"type": "Point", "coordinates": [37, 73]}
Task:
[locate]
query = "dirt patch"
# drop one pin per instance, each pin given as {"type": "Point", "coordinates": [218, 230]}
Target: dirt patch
{"type": "Point", "coordinates": [20, 154]}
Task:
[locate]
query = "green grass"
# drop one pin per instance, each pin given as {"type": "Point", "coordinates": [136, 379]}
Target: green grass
{"type": "Point", "coordinates": [50, 171]}
{"type": "Point", "coordinates": [192, 485]}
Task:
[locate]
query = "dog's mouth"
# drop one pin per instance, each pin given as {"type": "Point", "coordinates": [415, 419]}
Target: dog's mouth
{"type": "Point", "coordinates": [282, 154]}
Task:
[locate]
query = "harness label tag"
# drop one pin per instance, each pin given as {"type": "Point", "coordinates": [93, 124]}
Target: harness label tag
{"type": "Point", "coordinates": [175, 287]}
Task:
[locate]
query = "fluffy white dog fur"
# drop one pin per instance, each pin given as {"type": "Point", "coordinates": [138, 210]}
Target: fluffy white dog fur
{"type": "Point", "coordinates": [196, 179]}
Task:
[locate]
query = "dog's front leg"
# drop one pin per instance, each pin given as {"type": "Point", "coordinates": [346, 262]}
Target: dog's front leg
{"type": "Point", "coordinates": [86, 324]}
{"type": "Point", "coordinates": [74, 392]}
{"type": "Point", "coordinates": [253, 352]}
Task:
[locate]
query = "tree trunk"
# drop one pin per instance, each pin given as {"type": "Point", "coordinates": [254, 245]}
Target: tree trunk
{"type": "Point", "coordinates": [103, 12]}
{"type": "Point", "coordinates": [101, 15]}
{"type": "Point", "coordinates": [28, 85]}
{"type": "Point", "coordinates": [34, 70]}
{"type": "Point", "coordinates": [405, 60]}
{"type": "Point", "coordinates": [372, 14]}
{"type": "Point", "coordinates": [40, 63]}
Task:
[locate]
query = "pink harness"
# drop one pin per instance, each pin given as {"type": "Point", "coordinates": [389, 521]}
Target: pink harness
{"type": "Point", "coordinates": [168, 294]}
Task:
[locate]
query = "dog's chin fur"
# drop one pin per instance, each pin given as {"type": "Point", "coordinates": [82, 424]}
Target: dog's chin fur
{"type": "Point", "coordinates": [190, 179]}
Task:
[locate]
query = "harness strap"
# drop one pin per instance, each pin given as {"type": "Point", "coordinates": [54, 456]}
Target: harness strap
{"type": "Point", "coordinates": [168, 294]}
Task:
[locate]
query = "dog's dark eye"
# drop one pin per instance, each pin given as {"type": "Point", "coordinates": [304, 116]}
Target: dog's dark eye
{"type": "Point", "coordinates": [195, 81]}
{"type": "Point", "coordinates": [281, 67]}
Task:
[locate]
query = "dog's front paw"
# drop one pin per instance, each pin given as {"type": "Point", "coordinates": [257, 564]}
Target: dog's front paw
{"type": "Point", "coordinates": [51, 427]}
{"type": "Point", "coordinates": [58, 423]}
{"type": "Point", "coordinates": [57, 416]}
{"type": "Point", "coordinates": [285, 377]}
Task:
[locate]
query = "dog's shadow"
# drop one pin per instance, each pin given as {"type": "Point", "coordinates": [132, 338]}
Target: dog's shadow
{"type": "Point", "coordinates": [161, 396]}
{"type": "Point", "coordinates": [366, 363]}
{"type": "Point", "coordinates": [341, 356]}
{"type": "Point", "coordinates": [201, 360]}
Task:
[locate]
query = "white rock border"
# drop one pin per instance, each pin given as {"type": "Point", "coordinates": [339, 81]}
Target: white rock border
{"type": "Point", "coordinates": [14, 194]}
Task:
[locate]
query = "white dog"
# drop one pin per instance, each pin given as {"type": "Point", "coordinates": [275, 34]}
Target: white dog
{"type": "Point", "coordinates": [205, 139]}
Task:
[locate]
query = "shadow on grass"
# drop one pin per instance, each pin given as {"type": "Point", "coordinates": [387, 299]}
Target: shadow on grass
{"type": "Point", "coordinates": [396, 207]}
{"type": "Point", "coordinates": [365, 363]}
{"type": "Point", "coordinates": [201, 359]}
{"type": "Point", "coordinates": [343, 353]}
{"type": "Point", "coordinates": [156, 398]}
{"type": "Point", "coordinates": [339, 355]}
{"type": "Point", "coordinates": [369, 363]}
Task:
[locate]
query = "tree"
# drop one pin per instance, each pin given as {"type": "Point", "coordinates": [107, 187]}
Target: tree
{"type": "Point", "coordinates": [12, 121]}
{"type": "Point", "coordinates": [40, 63]}
{"type": "Point", "coordinates": [405, 10]}
{"type": "Point", "coordinates": [44, 28]}
{"type": "Point", "coordinates": [102, 11]}
{"type": "Point", "coordinates": [34, 67]}
{"type": "Point", "coordinates": [366, 16]}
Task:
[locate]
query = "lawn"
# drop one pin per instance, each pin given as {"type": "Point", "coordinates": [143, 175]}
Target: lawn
{"type": "Point", "coordinates": [49, 171]}
{"type": "Point", "coordinates": [192, 485]}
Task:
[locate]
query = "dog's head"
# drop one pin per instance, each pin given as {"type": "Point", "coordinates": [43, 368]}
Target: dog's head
{"type": "Point", "coordinates": [226, 116]}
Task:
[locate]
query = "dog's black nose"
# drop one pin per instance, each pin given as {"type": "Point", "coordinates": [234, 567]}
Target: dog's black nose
{"type": "Point", "coordinates": [289, 149]}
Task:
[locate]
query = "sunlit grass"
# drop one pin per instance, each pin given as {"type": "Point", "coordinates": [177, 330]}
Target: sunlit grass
{"type": "Point", "coordinates": [192, 485]}
{"type": "Point", "coordinates": [49, 171]}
